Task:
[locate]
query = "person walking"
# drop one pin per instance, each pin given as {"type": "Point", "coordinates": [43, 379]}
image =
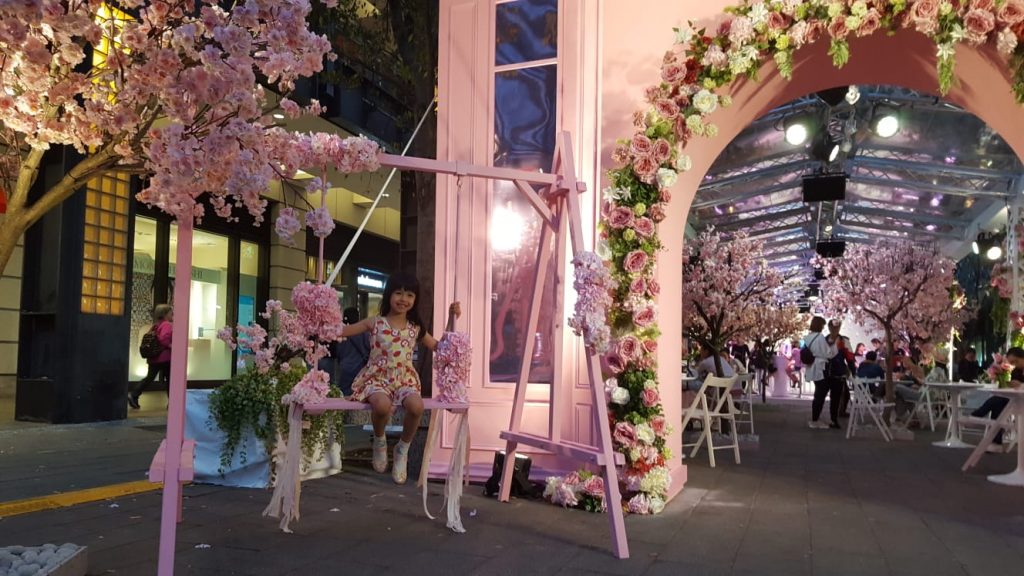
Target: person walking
{"type": "Point", "coordinates": [817, 353]}
{"type": "Point", "coordinates": [156, 349]}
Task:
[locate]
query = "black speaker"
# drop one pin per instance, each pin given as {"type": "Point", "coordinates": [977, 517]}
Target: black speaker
{"type": "Point", "coordinates": [521, 485]}
{"type": "Point", "coordinates": [824, 187]}
{"type": "Point", "coordinates": [831, 249]}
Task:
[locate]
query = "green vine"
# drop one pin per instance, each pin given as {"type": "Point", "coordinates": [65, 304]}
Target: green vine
{"type": "Point", "coordinates": [251, 401]}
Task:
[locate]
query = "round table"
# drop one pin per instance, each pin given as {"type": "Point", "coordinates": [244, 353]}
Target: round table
{"type": "Point", "coordinates": [953, 429]}
{"type": "Point", "coordinates": [1015, 407]}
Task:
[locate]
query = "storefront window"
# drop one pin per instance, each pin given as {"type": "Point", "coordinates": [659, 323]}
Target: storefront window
{"type": "Point", "coordinates": [143, 267]}
{"type": "Point", "coordinates": [208, 357]}
{"type": "Point", "coordinates": [248, 283]}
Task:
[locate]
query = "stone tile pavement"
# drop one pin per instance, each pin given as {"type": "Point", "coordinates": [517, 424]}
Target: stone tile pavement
{"type": "Point", "coordinates": [804, 502]}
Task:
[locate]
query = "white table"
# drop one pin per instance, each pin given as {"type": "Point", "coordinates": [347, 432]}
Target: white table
{"type": "Point", "coordinates": [953, 439]}
{"type": "Point", "coordinates": [1014, 408]}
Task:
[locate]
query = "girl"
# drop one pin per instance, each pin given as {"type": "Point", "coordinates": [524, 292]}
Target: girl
{"type": "Point", "coordinates": [160, 365]}
{"type": "Point", "coordinates": [389, 377]}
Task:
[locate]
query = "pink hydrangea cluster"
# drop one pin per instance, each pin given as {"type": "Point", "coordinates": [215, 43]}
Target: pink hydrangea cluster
{"type": "Point", "coordinates": [594, 285]}
{"type": "Point", "coordinates": [581, 489]}
{"type": "Point", "coordinates": [311, 389]}
{"type": "Point", "coordinates": [287, 225]}
{"type": "Point", "coordinates": [452, 363]}
{"type": "Point", "coordinates": [317, 311]}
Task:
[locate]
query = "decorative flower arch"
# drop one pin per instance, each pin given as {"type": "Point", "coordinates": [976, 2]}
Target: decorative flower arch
{"type": "Point", "coordinates": [677, 112]}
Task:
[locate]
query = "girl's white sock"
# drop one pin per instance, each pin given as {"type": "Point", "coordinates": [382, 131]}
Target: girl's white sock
{"type": "Point", "coordinates": [403, 445]}
{"type": "Point", "coordinates": [380, 439]}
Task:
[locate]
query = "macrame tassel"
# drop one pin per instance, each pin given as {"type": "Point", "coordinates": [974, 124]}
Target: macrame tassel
{"type": "Point", "coordinates": [428, 452]}
{"type": "Point", "coordinates": [456, 472]}
{"type": "Point", "coordinates": [284, 503]}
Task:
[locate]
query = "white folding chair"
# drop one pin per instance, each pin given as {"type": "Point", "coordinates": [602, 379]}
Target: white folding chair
{"type": "Point", "coordinates": [723, 410]}
{"type": "Point", "coordinates": [863, 405]}
{"type": "Point", "coordinates": [933, 403]}
{"type": "Point", "coordinates": [745, 403]}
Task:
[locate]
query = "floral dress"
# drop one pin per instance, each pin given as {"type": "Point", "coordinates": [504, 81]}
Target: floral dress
{"type": "Point", "coordinates": [389, 369]}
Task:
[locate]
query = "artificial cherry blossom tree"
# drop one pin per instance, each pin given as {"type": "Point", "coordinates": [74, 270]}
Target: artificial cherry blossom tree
{"type": "Point", "coordinates": [178, 95]}
{"type": "Point", "coordinates": [778, 322]}
{"type": "Point", "coordinates": [727, 284]}
{"type": "Point", "coordinates": [899, 286]}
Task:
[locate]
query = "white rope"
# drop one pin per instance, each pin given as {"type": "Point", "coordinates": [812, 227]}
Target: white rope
{"type": "Point", "coordinates": [376, 201]}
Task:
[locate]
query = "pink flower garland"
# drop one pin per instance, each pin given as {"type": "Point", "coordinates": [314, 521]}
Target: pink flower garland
{"type": "Point", "coordinates": [582, 489]}
{"type": "Point", "coordinates": [452, 361]}
{"type": "Point", "coordinates": [594, 285]}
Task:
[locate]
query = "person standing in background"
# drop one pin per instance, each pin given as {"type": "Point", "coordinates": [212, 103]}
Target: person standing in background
{"type": "Point", "coordinates": [159, 360]}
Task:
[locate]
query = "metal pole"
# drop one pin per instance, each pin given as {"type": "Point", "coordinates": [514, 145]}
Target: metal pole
{"type": "Point", "coordinates": [376, 201]}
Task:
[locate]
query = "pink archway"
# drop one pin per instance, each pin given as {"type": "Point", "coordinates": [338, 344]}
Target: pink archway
{"type": "Point", "coordinates": [634, 38]}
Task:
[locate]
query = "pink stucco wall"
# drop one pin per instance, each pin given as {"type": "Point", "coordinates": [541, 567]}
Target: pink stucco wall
{"type": "Point", "coordinates": [610, 50]}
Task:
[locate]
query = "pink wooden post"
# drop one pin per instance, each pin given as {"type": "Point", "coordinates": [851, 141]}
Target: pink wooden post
{"type": "Point", "coordinates": [171, 500]}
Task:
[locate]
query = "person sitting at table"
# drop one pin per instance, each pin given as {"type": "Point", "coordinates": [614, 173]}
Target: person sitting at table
{"type": "Point", "coordinates": [995, 405]}
{"type": "Point", "coordinates": [968, 369]}
{"type": "Point", "coordinates": [870, 369]}
{"type": "Point", "coordinates": [706, 367]}
{"type": "Point", "coordinates": [908, 394]}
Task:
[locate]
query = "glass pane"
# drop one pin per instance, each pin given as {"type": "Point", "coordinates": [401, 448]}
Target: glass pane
{"type": "Point", "coordinates": [102, 306]}
{"type": "Point", "coordinates": [525, 30]}
{"type": "Point", "coordinates": [91, 234]}
{"type": "Point", "coordinates": [143, 266]}
{"type": "Point", "coordinates": [89, 269]}
{"type": "Point", "coordinates": [117, 307]}
{"type": "Point", "coordinates": [208, 357]}
{"type": "Point", "coordinates": [88, 304]}
{"type": "Point", "coordinates": [525, 139]}
{"type": "Point", "coordinates": [248, 282]}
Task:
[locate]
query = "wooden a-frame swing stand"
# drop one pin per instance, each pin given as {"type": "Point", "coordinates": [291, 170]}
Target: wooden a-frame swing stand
{"type": "Point", "coordinates": [558, 207]}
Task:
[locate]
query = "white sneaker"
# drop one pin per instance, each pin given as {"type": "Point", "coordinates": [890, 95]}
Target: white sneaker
{"type": "Point", "coordinates": [380, 454]}
{"type": "Point", "coordinates": [398, 469]}
{"type": "Point", "coordinates": [815, 425]}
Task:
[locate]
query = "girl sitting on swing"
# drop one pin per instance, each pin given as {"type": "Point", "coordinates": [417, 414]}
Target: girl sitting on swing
{"type": "Point", "coordinates": [389, 378]}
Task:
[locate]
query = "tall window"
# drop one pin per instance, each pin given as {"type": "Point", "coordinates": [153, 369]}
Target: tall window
{"type": "Point", "coordinates": [105, 251]}
{"type": "Point", "coordinates": [525, 120]}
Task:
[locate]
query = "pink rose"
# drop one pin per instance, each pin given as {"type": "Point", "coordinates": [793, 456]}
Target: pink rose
{"type": "Point", "coordinates": [673, 73]}
{"type": "Point", "coordinates": [662, 150]}
{"type": "Point", "coordinates": [983, 5]}
{"type": "Point", "coordinates": [924, 14]}
{"type": "Point", "coordinates": [624, 434]}
{"type": "Point", "coordinates": [635, 261]}
{"type": "Point", "coordinates": [658, 423]}
{"type": "Point", "coordinates": [978, 24]}
{"type": "Point", "coordinates": [638, 287]}
{"type": "Point", "coordinates": [651, 346]}
{"type": "Point", "coordinates": [646, 168]}
{"type": "Point", "coordinates": [594, 486]}
{"type": "Point", "coordinates": [680, 129]}
{"type": "Point", "coordinates": [606, 208]}
{"type": "Point", "coordinates": [814, 31]}
{"type": "Point", "coordinates": [641, 145]}
{"type": "Point", "coordinates": [715, 57]}
{"type": "Point", "coordinates": [629, 348]}
{"type": "Point", "coordinates": [870, 24]}
{"type": "Point", "coordinates": [838, 29]}
{"type": "Point", "coordinates": [1012, 12]}
{"type": "Point", "coordinates": [644, 227]}
{"type": "Point", "coordinates": [741, 31]}
{"type": "Point", "coordinates": [665, 195]}
{"type": "Point", "coordinates": [667, 109]}
{"type": "Point", "coordinates": [650, 397]}
{"type": "Point", "coordinates": [652, 94]}
{"type": "Point", "coordinates": [657, 211]}
{"type": "Point", "coordinates": [653, 287]}
{"type": "Point", "coordinates": [620, 217]}
{"type": "Point", "coordinates": [649, 454]}
{"type": "Point", "coordinates": [798, 33]}
{"type": "Point", "coordinates": [777, 21]}
{"type": "Point", "coordinates": [644, 317]}
{"type": "Point", "coordinates": [614, 363]}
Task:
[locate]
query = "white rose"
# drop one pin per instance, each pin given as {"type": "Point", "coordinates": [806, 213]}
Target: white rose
{"type": "Point", "coordinates": [650, 384]}
{"type": "Point", "coordinates": [645, 433]}
{"type": "Point", "coordinates": [620, 396]}
{"type": "Point", "coordinates": [1007, 41]}
{"type": "Point", "coordinates": [551, 486]}
{"type": "Point", "coordinates": [657, 505]}
{"type": "Point", "coordinates": [667, 177]}
{"type": "Point", "coordinates": [610, 385]}
{"type": "Point", "coordinates": [603, 249]}
{"type": "Point", "coordinates": [684, 163]}
{"type": "Point", "coordinates": [705, 101]}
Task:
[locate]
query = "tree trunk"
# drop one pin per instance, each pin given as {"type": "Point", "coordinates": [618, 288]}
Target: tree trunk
{"type": "Point", "coordinates": [11, 228]}
{"type": "Point", "coordinates": [719, 371]}
{"type": "Point", "coordinates": [890, 387]}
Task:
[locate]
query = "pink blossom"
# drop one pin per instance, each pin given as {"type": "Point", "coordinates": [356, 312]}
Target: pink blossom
{"type": "Point", "coordinates": [638, 286]}
{"type": "Point", "coordinates": [644, 227]}
{"type": "Point", "coordinates": [924, 15]}
{"type": "Point", "coordinates": [666, 108]}
{"type": "Point", "coordinates": [629, 348]}
{"type": "Point", "coordinates": [814, 32]}
{"type": "Point", "coordinates": [653, 287]}
{"type": "Point", "coordinates": [621, 217]}
{"type": "Point", "coordinates": [594, 486]}
{"type": "Point", "coordinates": [978, 24]}
{"type": "Point", "coordinates": [741, 31]}
{"type": "Point", "coordinates": [662, 150]}
{"type": "Point", "coordinates": [614, 363]}
{"type": "Point", "coordinates": [658, 423]}
{"type": "Point", "coordinates": [715, 57]}
{"type": "Point", "coordinates": [644, 317]}
{"type": "Point", "coordinates": [287, 225]}
{"type": "Point", "coordinates": [777, 21]}
{"type": "Point", "coordinates": [673, 73]}
{"type": "Point", "coordinates": [641, 146]}
{"type": "Point", "coordinates": [624, 434]}
{"type": "Point", "coordinates": [312, 388]}
{"type": "Point", "coordinates": [650, 397]}
{"type": "Point", "coordinates": [651, 346]}
{"type": "Point", "coordinates": [319, 220]}
{"type": "Point", "coordinates": [646, 168]}
{"type": "Point", "coordinates": [665, 195]}
{"type": "Point", "coordinates": [870, 23]}
{"type": "Point", "coordinates": [635, 261]}
{"type": "Point", "coordinates": [837, 28]}
{"type": "Point", "coordinates": [1011, 13]}
{"type": "Point", "coordinates": [452, 363]}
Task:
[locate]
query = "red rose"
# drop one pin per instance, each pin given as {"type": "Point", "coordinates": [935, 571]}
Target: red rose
{"type": "Point", "coordinates": [620, 217]}
{"type": "Point", "coordinates": [644, 227]}
{"type": "Point", "coordinates": [641, 145]}
{"type": "Point", "coordinates": [978, 24]}
{"type": "Point", "coordinates": [1012, 12]}
{"type": "Point", "coordinates": [838, 29]}
{"type": "Point", "coordinates": [725, 27]}
{"type": "Point", "coordinates": [662, 150]}
{"type": "Point", "coordinates": [650, 397]}
{"type": "Point", "coordinates": [635, 261]}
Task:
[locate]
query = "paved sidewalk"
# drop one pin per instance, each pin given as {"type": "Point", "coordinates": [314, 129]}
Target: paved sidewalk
{"type": "Point", "coordinates": [805, 502]}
